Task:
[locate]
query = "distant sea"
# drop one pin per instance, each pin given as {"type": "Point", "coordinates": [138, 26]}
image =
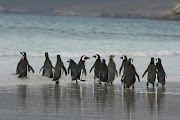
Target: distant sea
{"type": "Point", "coordinates": [74, 36]}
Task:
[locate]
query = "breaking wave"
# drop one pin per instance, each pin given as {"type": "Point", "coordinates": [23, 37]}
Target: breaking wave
{"type": "Point", "coordinates": [77, 54]}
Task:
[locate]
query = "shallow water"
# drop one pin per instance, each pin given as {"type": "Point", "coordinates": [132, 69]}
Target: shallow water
{"type": "Point", "coordinates": [89, 101]}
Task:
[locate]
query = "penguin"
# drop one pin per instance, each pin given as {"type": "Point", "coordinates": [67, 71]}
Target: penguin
{"type": "Point", "coordinates": [112, 69]}
{"type": "Point", "coordinates": [123, 65]}
{"type": "Point", "coordinates": [161, 75]}
{"type": "Point", "coordinates": [81, 67]}
{"type": "Point", "coordinates": [72, 68]}
{"type": "Point", "coordinates": [24, 67]}
{"type": "Point", "coordinates": [47, 67]}
{"type": "Point", "coordinates": [129, 75]}
{"type": "Point", "coordinates": [104, 72]}
{"type": "Point", "coordinates": [20, 63]}
{"type": "Point", "coordinates": [58, 67]}
{"type": "Point", "coordinates": [151, 73]}
{"type": "Point", "coordinates": [77, 70]}
{"type": "Point", "coordinates": [96, 66]}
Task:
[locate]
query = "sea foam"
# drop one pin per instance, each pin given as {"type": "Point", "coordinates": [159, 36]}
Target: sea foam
{"type": "Point", "coordinates": [91, 53]}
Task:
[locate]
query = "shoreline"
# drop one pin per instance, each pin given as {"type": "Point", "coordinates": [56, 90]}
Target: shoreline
{"type": "Point", "coordinates": [170, 18]}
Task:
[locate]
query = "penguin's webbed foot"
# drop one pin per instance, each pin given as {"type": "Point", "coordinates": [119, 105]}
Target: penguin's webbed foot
{"type": "Point", "coordinates": [57, 82]}
{"type": "Point", "coordinates": [133, 86]}
{"type": "Point", "coordinates": [83, 80]}
{"type": "Point", "coordinates": [147, 84]}
{"type": "Point", "coordinates": [19, 76]}
{"type": "Point", "coordinates": [124, 86]}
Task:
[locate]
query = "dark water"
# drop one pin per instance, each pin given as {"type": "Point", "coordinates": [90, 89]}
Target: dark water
{"type": "Point", "coordinates": [89, 101]}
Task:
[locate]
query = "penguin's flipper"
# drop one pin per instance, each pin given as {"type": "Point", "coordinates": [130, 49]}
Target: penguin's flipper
{"type": "Point", "coordinates": [84, 70]}
{"type": "Point", "coordinates": [31, 68]}
{"type": "Point", "coordinates": [91, 69]}
{"type": "Point", "coordinates": [137, 76]}
{"type": "Point", "coordinates": [145, 72]}
{"type": "Point", "coordinates": [64, 69]}
{"type": "Point", "coordinates": [116, 73]}
{"type": "Point", "coordinates": [41, 69]}
{"type": "Point", "coordinates": [53, 67]}
{"type": "Point", "coordinates": [69, 68]}
{"type": "Point", "coordinates": [120, 70]}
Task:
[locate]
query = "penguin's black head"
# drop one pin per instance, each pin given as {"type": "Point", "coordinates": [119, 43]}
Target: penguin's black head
{"type": "Point", "coordinates": [46, 55]}
{"type": "Point", "coordinates": [84, 57]}
{"type": "Point", "coordinates": [69, 60]}
{"type": "Point", "coordinates": [23, 54]}
{"type": "Point", "coordinates": [152, 60]}
{"type": "Point", "coordinates": [111, 57]}
{"type": "Point", "coordinates": [131, 60]}
{"type": "Point", "coordinates": [124, 57]}
{"type": "Point", "coordinates": [103, 61]}
{"type": "Point", "coordinates": [158, 60]}
{"type": "Point", "coordinates": [58, 57]}
{"type": "Point", "coordinates": [97, 56]}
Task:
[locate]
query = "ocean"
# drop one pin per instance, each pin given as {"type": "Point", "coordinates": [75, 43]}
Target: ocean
{"type": "Point", "coordinates": [74, 36]}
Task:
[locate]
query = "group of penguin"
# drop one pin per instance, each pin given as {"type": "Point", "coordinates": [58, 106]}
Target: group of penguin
{"type": "Point", "coordinates": [102, 71]}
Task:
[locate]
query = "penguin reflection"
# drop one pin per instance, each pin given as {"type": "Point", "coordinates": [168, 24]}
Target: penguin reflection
{"type": "Point", "coordinates": [47, 93]}
{"type": "Point", "coordinates": [57, 95]}
{"type": "Point", "coordinates": [111, 96]}
{"type": "Point", "coordinates": [150, 97]}
{"type": "Point", "coordinates": [100, 96]}
{"type": "Point", "coordinates": [22, 95]}
{"type": "Point", "coordinates": [77, 93]}
{"type": "Point", "coordinates": [160, 96]}
{"type": "Point", "coordinates": [128, 97]}
{"type": "Point", "coordinates": [96, 92]}
{"type": "Point", "coordinates": [155, 97]}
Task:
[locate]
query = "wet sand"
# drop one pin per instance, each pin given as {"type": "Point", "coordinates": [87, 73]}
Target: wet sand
{"type": "Point", "coordinates": [89, 101]}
